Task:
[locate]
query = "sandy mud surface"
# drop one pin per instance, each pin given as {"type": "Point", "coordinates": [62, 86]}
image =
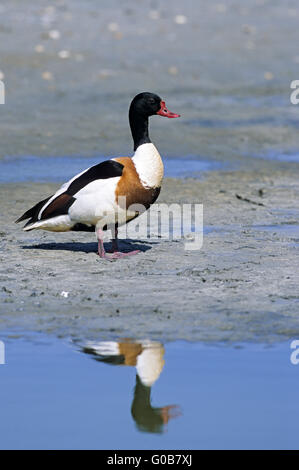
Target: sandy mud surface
{"type": "Point", "coordinates": [71, 68]}
{"type": "Point", "coordinates": [241, 286]}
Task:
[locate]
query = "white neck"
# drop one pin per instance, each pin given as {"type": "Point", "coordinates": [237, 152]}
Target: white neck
{"type": "Point", "coordinates": [149, 165]}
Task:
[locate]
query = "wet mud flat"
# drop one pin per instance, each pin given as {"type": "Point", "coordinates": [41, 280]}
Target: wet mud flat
{"type": "Point", "coordinates": [241, 286]}
{"type": "Point", "coordinates": [70, 69]}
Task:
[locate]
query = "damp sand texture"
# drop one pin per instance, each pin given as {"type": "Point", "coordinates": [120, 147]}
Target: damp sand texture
{"type": "Point", "coordinates": [241, 286]}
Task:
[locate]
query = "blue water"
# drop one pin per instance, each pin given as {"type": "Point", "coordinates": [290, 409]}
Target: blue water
{"type": "Point", "coordinates": [54, 395]}
{"type": "Point", "coordinates": [290, 157]}
{"type": "Point", "coordinates": [60, 169]}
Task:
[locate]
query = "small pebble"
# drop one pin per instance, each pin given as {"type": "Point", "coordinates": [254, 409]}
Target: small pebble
{"type": "Point", "coordinates": [64, 54]}
{"type": "Point", "coordinates": [64, 294]}
{"type": "Point", "coordinates": [112, 27]}
{"type": "Point", "coordinates": [173, 70]}
{"type": "Point", "coordinates": [180, 19]}
{"type": "Point", "coordinates": [268, 76]}
{"type": "Point", "coordinates": [54, 34]}
{"type": "Point", "coordinates": [47, 75]}
{"type": "Point", "coordinates": [39, 48]}
{"type": "Point", "coordinates": [118, 35]}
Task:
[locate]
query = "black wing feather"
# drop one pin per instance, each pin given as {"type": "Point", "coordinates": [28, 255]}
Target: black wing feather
{"type": "Point", "coordinates": [104, 170]}
{"type": "Point", "coordinates": [33, 211]}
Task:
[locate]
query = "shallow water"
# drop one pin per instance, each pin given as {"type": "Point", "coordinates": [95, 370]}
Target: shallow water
{"type": "Point", "coordinates": [59, 169]}
{"type": "Point", "coordinates": [291, 157]}
{"type": "Point", "coordinates": [144, 394]}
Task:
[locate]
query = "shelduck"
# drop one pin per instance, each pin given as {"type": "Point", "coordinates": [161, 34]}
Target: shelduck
{"type": "Point", "coordinates": [101, 196]}
{"type": "Point", "coordinates": [148, 358]}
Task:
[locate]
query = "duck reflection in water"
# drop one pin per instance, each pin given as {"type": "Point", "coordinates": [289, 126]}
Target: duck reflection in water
{"type": "Point", "coordinates": [148, 358]}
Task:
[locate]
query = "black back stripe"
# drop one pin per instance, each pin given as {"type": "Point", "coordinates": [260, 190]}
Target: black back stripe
{"type": "Point", "coordinates": [104, 170]}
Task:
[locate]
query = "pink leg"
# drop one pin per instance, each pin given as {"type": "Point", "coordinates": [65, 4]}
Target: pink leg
{"type": "Point", "coordinates": [101, 249]}
{"type": "Point", "coordinates": [115, 254]}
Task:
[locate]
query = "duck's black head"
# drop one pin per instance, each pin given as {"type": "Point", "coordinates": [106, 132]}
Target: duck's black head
{"type": "Point", "coordinates": [143, 106]}
{"type": "Point", "coordinates": [147, 104]}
